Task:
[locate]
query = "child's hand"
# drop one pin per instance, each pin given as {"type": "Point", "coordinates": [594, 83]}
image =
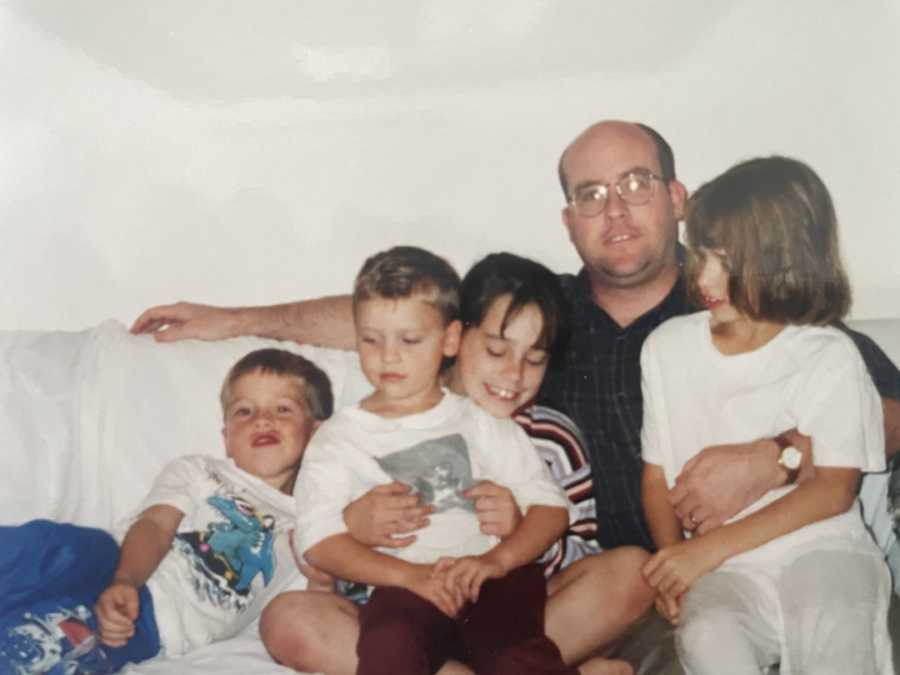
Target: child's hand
{"type": "Point", "coordinates": [428, 583]}
{"type": "Point", "coordinates": [117, 610]}
{"type": "Point", "coordinates": [467, 574]}
{"type": "Point", "coordinates": [442, 565]}
{"type": "Point", "coordinates": [496, 508]}
{"type": "Point", "coordinates": [317, 580]}
{"type": "Point", "coordinates": [673, 569]}
{"type": "Point", "coordinates": [385, 511]}
{"type": "Point", "coordinates": [669, 607]}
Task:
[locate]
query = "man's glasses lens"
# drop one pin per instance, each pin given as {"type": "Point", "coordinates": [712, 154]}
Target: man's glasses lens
{"type": "Point", "coordinates": [634, 188]}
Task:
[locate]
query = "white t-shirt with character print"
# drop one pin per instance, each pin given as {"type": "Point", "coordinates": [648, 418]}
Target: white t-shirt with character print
{"type": "Point", "coordinates": [231, 554]}
{"type": "Point", "coordinates": [439, 452]}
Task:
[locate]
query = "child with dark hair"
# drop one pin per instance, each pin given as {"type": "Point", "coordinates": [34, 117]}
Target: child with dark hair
{"type": "Point", "coordinates": [455, 591]}
{"type": "Point", "coordinates": [205, 552]}
{"type": "Point", "coordinates": [514, 319]}
{"type": "Point", "coordinates": [795, 578]}
{"type": "Point", "coordinates": [515, 324]}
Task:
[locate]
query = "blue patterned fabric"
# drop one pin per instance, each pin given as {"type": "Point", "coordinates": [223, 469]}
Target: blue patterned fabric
{"type": "Point", "coordinates": [50, 577]}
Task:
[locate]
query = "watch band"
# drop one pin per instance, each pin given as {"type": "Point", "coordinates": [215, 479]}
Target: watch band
{"type": "Point", "coordinates": [783, 443]}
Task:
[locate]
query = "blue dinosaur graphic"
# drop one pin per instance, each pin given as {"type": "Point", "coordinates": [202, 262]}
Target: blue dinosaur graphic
{"type": "Point", "coordinates": [245, 542]}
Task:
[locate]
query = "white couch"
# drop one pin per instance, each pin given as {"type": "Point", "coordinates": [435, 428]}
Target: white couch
{"type": "Point", "coordinates": [88, 419]}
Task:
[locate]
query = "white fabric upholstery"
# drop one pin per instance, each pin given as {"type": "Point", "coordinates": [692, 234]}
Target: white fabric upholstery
{"type": "Point", "coordinates": [87, 419]}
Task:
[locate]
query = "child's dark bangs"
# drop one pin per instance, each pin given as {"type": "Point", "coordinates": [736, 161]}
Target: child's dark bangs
{"type": "Point", "coordinates": [517, 303]}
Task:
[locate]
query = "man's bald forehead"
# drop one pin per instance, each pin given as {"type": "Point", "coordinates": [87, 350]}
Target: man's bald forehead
{"type": "Point", "coordinates": [659, 144]}
{"type": "Point", "coordinates": [607, 126]}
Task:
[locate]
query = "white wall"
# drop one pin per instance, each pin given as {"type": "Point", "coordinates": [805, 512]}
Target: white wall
{"type": "Point", "coordinates": [253, 152]}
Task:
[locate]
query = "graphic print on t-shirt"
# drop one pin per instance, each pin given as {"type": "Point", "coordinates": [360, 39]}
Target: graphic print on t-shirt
{"type": "Point", "coordinates": [439, 470]}
{"type": "Point", "coordinates": [230, 554]}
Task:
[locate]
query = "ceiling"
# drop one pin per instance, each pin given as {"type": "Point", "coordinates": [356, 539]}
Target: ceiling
{"type": "Point", "coordinates": [346, 48]}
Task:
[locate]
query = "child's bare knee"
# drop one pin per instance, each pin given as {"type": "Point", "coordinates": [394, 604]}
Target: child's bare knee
{"type": "Point", "coordinates": [284, 634]}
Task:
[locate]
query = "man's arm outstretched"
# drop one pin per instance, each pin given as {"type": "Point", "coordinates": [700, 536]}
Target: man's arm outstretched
{"type": "Point", "coordinates": [325, 322]}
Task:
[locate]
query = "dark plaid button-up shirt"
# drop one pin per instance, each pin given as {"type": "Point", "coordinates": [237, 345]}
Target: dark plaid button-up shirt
{"type": "Point", "coordinates": [598, 384]}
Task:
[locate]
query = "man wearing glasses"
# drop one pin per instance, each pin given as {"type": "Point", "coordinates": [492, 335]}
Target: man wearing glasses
{"type": "Point", "coordinates": [623, 204]}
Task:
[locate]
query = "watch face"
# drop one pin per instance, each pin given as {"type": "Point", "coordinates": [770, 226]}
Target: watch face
{"type": "Point", "coordinates": [791, 457]}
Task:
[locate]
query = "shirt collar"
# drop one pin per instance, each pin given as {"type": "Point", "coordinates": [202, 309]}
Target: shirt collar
{"type": "Point", "coordinates": [675, 303]}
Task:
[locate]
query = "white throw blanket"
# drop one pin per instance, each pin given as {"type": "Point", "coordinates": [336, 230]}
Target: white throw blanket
{"type": "Point", "coordinates": [88, 419]}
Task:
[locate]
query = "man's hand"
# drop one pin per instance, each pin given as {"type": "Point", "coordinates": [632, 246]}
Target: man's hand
{"type": "Point", "coordinates": [468, 573]}
{"type": "Point", "coordinates": [186, 320]}
{"type": "Point", "coordinates": [429, 583]}
{"type": "Point", "coordinates": [722, 480]}
{"type": "Point", "coordinates": [496, 508]}
{"type": "Point", "coordinates": [384, 511]}
{"type": "Point", "coordinates": [117, 610]}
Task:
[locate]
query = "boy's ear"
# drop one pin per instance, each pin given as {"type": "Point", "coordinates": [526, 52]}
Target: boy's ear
{"type": "Point", "coordinates": [452, 336]}
{"type": "Point", "coordinates": [225, 439]}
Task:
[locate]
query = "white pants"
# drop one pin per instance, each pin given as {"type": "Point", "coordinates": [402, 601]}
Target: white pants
{"type": "Point", "coordinates": [823, 613]}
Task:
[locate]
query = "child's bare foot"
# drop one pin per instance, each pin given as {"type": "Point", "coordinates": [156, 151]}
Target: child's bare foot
{"type": "Point", "coordinates": [601, 666]}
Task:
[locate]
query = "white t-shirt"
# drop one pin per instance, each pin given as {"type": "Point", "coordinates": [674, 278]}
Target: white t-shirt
{"type": "Point", "coordinates": [231, 554]}
{"type": "Point", "coordinates": [440, 452]}
{"type": "Point", "coordinates": [807, 377]}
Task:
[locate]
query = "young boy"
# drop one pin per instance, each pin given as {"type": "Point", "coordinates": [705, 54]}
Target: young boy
{"type": "Point", "coordinates": [206, 552]}
{"type": "Point", "coordinates": [484, 605]}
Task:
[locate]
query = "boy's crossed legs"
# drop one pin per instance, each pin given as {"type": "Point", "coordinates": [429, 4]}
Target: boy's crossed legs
{"type": "Point", "coordinates": [592, 604]}
{"type": "Point", "coordinates": [500, 634]}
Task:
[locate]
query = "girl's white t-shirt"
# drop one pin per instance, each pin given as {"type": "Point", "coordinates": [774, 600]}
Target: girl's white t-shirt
{"type": "Point", "coordinates": [809, 377]}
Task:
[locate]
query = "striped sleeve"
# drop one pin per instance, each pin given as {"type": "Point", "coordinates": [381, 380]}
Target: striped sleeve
{"type": "Point", "coordinates": [560, 444]}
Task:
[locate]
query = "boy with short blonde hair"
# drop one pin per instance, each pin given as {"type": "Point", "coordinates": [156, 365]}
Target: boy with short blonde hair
{"type": "Point", "coordinates": [206, 551]}
{"type": "Point", "coordinates": [455, 592]}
